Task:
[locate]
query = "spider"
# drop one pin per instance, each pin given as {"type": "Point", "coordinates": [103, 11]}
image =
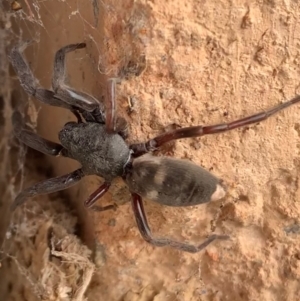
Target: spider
{"type": "Point", "coordinates": [97, 141]}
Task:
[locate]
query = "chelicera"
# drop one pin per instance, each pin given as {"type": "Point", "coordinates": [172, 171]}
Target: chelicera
{"type": "Point", "coordinates": [97, 141]}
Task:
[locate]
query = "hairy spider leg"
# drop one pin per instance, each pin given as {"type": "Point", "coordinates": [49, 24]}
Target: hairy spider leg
{"type": "Point", "coordinates": [31, 85]}
{"type": "Point", "coordinates": [198, 131]}
{"type": "Point", "coordinates": [48, 186]}
{"type": "Point", "coordinates": [142, 223]}
{"type": "Point", "coordinates": [91, 109]}
{"type": "Point", "coordinates": [31, 139]}
{"type": "Point", "coordinates": [63, 96]}
{"type": "Point", "coordinates": [76, 99]}
{"type": "Point", "coordinates": [27, 80]}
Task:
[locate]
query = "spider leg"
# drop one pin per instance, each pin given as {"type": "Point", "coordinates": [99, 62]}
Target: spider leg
{"type": "Point", "coordinates": [27, 80]}
{"type": "Point", "coordinates": [142, 223]}
{"type": "Point", "coordinates": [31, 139]}
{"type": "Point", "coordinates": [74, 98]}
{"type": "Point", "coordinates": [121, 125]}
{"type": "Point", "coordinates": [91, 109]}
{"type": "Point", "coordinates": [48, 186]}
{"type": "Point", "coordinates": [198, 131]}
{"type": "Point", "coordinates": [96, 195]}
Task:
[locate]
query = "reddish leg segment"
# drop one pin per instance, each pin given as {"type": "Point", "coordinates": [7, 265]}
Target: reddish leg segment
{"type": "Point", "coordinates": [198, 131]}
{"type": "Point", "coordinates": [142, 223]}
{"type": "Point", "coordinates": [96, 195]}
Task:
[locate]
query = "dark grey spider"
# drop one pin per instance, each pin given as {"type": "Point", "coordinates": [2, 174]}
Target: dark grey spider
{"type": "Point", "coordinates": [99, 145]}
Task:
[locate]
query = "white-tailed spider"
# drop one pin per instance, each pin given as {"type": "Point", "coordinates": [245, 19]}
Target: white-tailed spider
{"type": "Point", "coordinates": [97, 141]}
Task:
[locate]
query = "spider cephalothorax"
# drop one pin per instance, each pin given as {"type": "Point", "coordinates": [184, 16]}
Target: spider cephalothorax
{"type": "Point", "coordinates": [104, 154]}
{"type": "Point", "coordinates": [98, 143]}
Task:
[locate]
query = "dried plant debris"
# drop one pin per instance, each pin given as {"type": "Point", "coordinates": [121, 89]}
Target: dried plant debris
{"type": "Point", "coordinates": [45, 259]}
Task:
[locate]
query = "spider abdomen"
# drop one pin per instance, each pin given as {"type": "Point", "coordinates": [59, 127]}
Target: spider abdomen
{"type": "Point", "coordinates": [98, 152]}
{"type": "Point", "coordinates": [173, 182]}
